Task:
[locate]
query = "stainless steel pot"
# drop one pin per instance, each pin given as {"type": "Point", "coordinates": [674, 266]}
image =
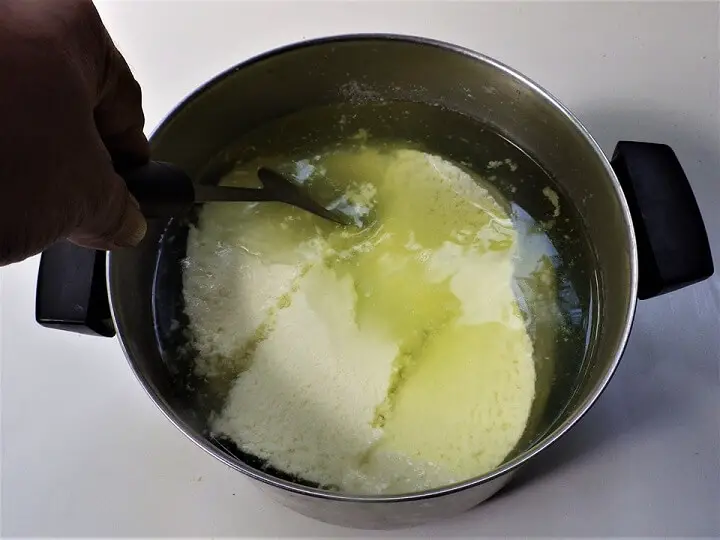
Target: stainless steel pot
{"type": "Point", "coordinates": [640, 214]}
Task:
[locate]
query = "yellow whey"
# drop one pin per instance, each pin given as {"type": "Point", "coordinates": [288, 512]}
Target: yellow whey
{"type": "Point", "coordinates": [383, 360]}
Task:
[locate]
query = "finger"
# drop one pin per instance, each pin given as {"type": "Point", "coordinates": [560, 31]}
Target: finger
{"type": "Point", "coordinates": [112, 222]}
{"type": "Point", "coordinates": [109, 217]}
{"type": "Point", "coordinates": [118, 114]}
{"type": "Point", "coordinates": [119, 120]}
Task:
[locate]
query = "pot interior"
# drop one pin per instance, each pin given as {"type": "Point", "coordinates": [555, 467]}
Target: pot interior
{"type": "Point", "coordinates": [445, 99]}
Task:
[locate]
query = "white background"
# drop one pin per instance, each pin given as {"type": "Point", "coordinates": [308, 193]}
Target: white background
{"type": "Point", "coordinates": [85, 452]}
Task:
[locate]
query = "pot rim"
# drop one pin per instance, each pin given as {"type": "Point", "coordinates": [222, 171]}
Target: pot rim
{"type": "Point", "coordinates": [505, 468]}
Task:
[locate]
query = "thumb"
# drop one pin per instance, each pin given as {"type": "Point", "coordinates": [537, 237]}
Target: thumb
{"type": "Point", "coordinates": [132, 226]}
{"type": "Point", "coordinates": [112, 220]}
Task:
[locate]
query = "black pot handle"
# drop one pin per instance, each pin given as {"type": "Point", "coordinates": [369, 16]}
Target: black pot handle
{"type": "Point", "coordinates": [673, 247]}
{"type": "Point", "coordinates": [71, 290]}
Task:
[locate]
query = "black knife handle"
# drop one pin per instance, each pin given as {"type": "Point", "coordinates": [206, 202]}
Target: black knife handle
{"type": "Point", "coordinates": [161, 189]}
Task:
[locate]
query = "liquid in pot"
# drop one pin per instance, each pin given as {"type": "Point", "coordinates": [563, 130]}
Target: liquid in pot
{"type": "Point", "coordinates": [425, 349]}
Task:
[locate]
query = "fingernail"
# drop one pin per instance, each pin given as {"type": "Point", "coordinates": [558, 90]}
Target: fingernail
{"type": "Point", "coordinates": [133, 228]}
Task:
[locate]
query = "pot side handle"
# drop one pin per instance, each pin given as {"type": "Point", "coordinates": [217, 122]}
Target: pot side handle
{"type": "Point", "coordinates": [71, 290]}
{"type": "Point", "coordinates": [672, 243]}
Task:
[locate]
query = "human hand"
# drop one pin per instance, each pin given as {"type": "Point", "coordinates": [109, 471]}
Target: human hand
{"type": "Point", "coordinates": [70, 117]}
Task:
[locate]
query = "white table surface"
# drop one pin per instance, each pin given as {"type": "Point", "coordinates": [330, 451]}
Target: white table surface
{"type": "Point", "coordinates": [86, 453]}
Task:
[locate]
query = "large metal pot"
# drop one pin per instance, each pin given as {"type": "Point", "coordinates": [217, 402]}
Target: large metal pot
{"type": "Point", "coordinates": [640, 216]}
